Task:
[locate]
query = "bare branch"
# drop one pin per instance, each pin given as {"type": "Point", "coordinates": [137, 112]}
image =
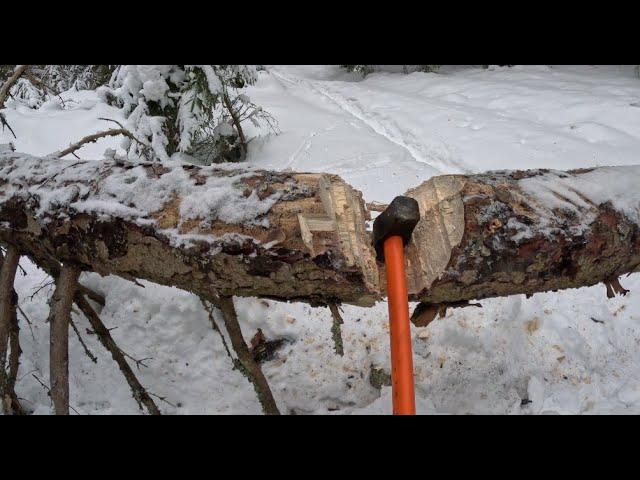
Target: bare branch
{"type": "Point", "coordinates": [139, 393]}
{"type": "Point", "coordinates": [91, 139]}
{"type": "Point", "coordinates": [10, 82]}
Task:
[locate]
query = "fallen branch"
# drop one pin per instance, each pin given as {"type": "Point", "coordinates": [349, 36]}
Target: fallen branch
{"type": "Point", "coordinates": [479, 236]}
{"type": "Point", "coordinates": [139, 392]}
{"type": "Point", "coordinates": [245, 361]}
{"type": "Point", "coordinates": [59, 318]}
{"type": "Point", "coordinates": [90, 139]}
{"type": "Point", "coordinates": [210, 308]}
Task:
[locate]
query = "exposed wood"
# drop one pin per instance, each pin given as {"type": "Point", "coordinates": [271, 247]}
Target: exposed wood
{"type": "Point", "coordinates": [480, 236]}
{"type": "Point", "coordinates": [521, 232]}
{"type": "Point", "coordinates": [267, 256]}
{"type": "Point", "coordinates": [59, 317]}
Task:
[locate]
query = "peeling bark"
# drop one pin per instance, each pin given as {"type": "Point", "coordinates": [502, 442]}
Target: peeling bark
{"type": "Point", "coordinates": [480, 236]}
{"type": "Point", "coordinates": [310, 245]}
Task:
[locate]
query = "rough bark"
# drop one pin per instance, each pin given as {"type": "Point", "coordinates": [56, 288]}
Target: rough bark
{"type": "Point", "coordinates": [59, 317]}
{"type": "Point", "coordinates": [480, 236]}
{"type": "Point", "coordinates": [310, 244]}
{"type": "Point", "coordinates": [521, 232]}
{"type": "Point", "coordinates": [8, 325]}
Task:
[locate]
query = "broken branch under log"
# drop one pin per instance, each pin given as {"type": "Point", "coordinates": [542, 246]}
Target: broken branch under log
{"type": "Point", "coordinates": [140, 394]}
{"type": "Point", "coordinates": [59, 318]}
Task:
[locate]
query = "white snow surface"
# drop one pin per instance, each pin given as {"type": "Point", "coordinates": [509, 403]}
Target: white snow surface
{"type": "Point", "coordinates": [129, 193]}
{"type": "Point", "coordinates": [568, 352]}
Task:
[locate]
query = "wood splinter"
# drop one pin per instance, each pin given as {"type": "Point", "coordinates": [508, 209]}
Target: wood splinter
{"type": "Point", "coordinates": [425, 313]}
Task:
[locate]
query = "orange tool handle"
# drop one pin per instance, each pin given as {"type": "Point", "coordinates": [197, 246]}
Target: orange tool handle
{"type": "Point", "coordinates": [404, 399]}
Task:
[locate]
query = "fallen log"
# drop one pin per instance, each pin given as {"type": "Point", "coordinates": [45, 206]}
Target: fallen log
{"type": "Point", "coordinates": [212, 231]}
{"type": "Point", "coordinates": [219, 231]}
{"type": "Point", "coordinates": [522, 232]}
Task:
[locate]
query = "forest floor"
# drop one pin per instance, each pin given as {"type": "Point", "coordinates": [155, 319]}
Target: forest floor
{"type": "Point", "coordinates": [573, 351]}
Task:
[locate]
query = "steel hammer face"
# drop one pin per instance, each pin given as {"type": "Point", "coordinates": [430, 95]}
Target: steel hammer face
{"type": "Point", "coordinates": [399, 218]}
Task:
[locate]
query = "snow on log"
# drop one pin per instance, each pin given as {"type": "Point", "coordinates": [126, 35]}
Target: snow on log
{"type": "Point", "coordinates": [514, 232]}
{"type": "Point", "coordinates": [299, 236]}
{"type": "Point", "coordinates": [211, 231]}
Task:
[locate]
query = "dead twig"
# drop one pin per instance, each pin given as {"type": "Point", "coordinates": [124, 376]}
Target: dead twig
{"type": "Point", "coordinates": [209, 308]}
{"type": "Point", "coordinates": [48, 390]}
{"type": "Point", "coordinates": [27, 320]}
{"type": "Point", "coordinates": [91, 356]}
{"type": "Point", "coordinates": [90, 139]}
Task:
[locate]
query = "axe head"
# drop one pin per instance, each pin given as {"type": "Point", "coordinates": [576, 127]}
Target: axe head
{"type": "Point", "coordinates": [399, 218]}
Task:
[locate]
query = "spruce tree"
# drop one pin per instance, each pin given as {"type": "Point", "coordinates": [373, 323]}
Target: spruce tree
{"type": "Point", "coordinates": [192, 109]}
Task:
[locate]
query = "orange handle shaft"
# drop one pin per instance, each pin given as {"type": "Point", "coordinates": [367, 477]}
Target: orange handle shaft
{"type": "Point", "coordinates": [404, 401]}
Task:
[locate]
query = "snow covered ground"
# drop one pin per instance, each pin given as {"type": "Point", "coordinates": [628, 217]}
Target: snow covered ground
{"type": "Point", "coordinates": [567, 352]}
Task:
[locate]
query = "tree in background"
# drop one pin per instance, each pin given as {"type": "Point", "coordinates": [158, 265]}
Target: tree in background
{"type": "Point", "coordinates": [193, 109]}
{"type": "Point", "coordinates": [40, 82]}
{"type": "Point", "coordinates": [367, 69]}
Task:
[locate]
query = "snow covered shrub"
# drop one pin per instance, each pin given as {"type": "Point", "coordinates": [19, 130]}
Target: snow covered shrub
{"type": "Point", "coordinates": [367, 69]}
{"type": "Point", "coordinates": [28, 94]}
{"type": "Point", "coordinates": [80, 77]}
{"type": "Point", "coordinates": [41, 81]}
{"type": "Point", "coordinates": [193, 109]}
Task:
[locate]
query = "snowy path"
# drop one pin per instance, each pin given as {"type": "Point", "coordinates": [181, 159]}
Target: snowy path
{"type": "Point", "coordinates": [566, 352]}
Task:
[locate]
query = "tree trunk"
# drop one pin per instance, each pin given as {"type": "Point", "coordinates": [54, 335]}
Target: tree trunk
{"type": "Point", "coordinates": [59, 317]}
{"type": "Point", "coordinates": [211, 231]}
{"type": "Point", "coordinates": [514, 232]}
{"type": "Point", "coordinates": [9, 265]}
{"type": "Point", "coordinates": [219, 232]}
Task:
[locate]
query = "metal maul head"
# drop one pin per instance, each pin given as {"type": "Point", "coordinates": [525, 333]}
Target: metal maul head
{"type": "Point", "coordinates": [399, 218]}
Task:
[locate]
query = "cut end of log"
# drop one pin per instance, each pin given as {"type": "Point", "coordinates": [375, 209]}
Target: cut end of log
{"type": "Point", "coordinates": [439, 230]}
